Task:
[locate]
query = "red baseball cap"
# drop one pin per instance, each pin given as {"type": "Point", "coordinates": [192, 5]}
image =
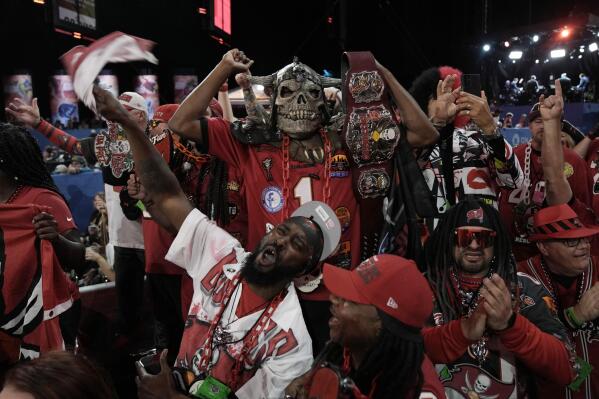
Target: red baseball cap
{"type": "Point", "coordinates": [165, 112]}
{"type": "Point", "coordinates": [559, 222]}
{"type": "Point", "coordinates": [391, 283]}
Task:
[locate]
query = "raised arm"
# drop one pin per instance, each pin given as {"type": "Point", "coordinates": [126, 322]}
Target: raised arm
{"type": "Point", "coordinates": [185, 122]}
{"type": "Point", "coordinates": [421, 132]}
{"type": "Point", "coordinates": [557, 188]}
{"type": "Point", "coordinates": [254, 110]}
{"type": "Point", "coordinates": [225, 102]}
{"type": "Point", "coordinates": [166, 201]}
{"type": "Point", "coordinates": [29, 115]}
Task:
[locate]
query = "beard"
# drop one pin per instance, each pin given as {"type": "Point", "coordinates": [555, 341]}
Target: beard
{"type": "Point", "coordinates": [253, 275]}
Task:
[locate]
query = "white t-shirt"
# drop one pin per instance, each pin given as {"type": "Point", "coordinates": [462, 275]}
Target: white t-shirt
{"type": "Point", "coordinates": [122, 232]}
{"type": "Point", "coordinates": [283, 350]}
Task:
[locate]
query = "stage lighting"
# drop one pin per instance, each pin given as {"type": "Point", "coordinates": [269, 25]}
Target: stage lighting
{"type": "Point", "coordinates": [579, 56]}
{"type": "Point", "coordinates": [486, 47]}
{"type": "Point", "coordinates": [581, 50]}
{"type": "Point", "coordinates": [39, 1]}
{"type": "Point", "coordinates": [515, 55]}
{"type": "Point", "coordinates": [506, 43]}
{"type": "Point", "coordinates": [558, 53]}
{"type": "Point", "coordinates": [593, 47]}
{"type": "Point", "coordinates": [499, 61]}
{"type": "Point", "coordinates": [535, 38]}
{"type": "Point", "coordinates": [546, 60]}
{"type": "Point", "coordinates": [565, 32]}
{"type": "Point", "coordinates": [536, 61]}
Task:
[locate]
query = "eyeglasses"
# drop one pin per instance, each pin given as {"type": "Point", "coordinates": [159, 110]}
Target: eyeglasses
{"type": "Point", "coordinates": [573, 242]}
{"type": "Point", "coordinates": [484, 238]}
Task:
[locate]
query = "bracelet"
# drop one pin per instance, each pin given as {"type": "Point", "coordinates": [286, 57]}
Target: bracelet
{"type": "Point", "coordinates": [571, 318]}
{"type": "Point", "coordinates": [224, 87]}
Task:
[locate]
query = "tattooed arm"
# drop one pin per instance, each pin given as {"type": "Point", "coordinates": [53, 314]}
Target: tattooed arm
{"type": "Point", "coordinates": [165, 199]}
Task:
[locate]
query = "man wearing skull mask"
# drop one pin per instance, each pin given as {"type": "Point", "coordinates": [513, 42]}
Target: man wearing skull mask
{"type": "Point", "coordinates": [294, 159]}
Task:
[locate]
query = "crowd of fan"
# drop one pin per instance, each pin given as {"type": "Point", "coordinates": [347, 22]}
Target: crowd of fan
{"type": "Point", "coordinates": [491, 292]}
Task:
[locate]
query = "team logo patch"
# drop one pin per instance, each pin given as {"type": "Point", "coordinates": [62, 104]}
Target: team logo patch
{"type": "Point", "coordinates": [272, 199]}
{"type": "Point", "coordinates": [233, 210]}
{"type": "Point", "coordinates": [368, 271]}
{"type": "Point", "coordinates": [233, 186]}
{"type": "Point", "coordinates": [526, 302]}
{"type": "Point", "coordinates": [475, 214]}
{"type": "Point", "coordinates": [339, 166]}
{"type": "Point", "coordinates": [568, 169]}
{"type": "Point", "coordinates": [344, 217]}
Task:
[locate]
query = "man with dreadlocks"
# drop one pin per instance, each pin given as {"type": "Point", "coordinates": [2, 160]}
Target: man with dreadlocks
{"type": "Point", "coordinates": [378, 310]}
{"type": "Point", "coordinates": [293, 159]}
{"type": "Point", "coordinates": [25, 180]}
{"type": "Point", "coordinates": [483, 309]}
{"type": "Point", "coordinates": [111, 149]}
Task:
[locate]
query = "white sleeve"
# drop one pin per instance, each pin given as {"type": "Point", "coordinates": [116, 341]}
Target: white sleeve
{"type": "Point", "coordinates": [199, 245]}
{"type": "Point", "coordinates": [276, 374]}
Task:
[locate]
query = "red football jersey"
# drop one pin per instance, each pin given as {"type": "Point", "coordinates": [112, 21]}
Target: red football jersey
{"type": "Point", "coordinates": [261, 169]}
{"type": "Point", "coordinates": [518, 206]}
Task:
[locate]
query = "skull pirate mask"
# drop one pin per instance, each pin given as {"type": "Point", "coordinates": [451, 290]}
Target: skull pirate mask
{"type": "Point", "coordinates": [298, 107]}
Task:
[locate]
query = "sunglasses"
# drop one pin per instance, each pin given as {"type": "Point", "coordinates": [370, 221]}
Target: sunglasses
{"type": "Point", "coordinates": [484, 238]}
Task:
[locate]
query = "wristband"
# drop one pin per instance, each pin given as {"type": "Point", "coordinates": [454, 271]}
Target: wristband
{"type": "Point", "coordinates": [224, 87]}
{"type": "Point", "coordinates": [572, 319]}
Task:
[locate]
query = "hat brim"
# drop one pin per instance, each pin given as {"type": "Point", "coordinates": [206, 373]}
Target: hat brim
{"type": "Point", "coordinates": [577, 233]}
{"type": "Point", "coordinates": [339, 282]}
{"type": "Point", "coordinates": [322, 214]}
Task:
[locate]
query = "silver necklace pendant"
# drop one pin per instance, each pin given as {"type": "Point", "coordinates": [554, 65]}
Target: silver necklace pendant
{"type": "Point", "coordinates": [479, 350]}
{"type": "Point", "coordinates": [221, 336]}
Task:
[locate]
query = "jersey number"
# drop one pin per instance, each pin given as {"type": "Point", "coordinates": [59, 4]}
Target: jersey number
{"type": "Point", "coordinates": [303, 190]}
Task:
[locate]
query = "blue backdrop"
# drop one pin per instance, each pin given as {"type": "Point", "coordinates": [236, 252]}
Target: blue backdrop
{"type": "Point", "coordinates": [79, 190]}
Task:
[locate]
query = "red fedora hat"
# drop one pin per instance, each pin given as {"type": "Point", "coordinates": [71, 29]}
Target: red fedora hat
{"type": "Point", "coordinates": [559, 222]}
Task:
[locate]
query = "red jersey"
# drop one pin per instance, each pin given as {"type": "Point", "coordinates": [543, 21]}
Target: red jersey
{"type": "Point", "coordinates": [60, 211]}
{"type": "Point", "coordinates": [518, 206]}
{"type": "Point", "coordinates": [586, 338]}
{"type": "Point", "coordinates": [262, 172]}
{"type": "Point", "coordinates": [593, 162]}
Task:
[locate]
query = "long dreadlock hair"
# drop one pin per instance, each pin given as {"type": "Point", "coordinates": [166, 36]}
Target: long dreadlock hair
{"type": "Point", "coordinates": [21, 158]}
{"type": "Point", "coordinates": [440, 258]}
{"type": "Point", "coordinates": [393, 363]}
{"type": "Point", "coordinates": [392, 366]}
{"type": "Point", "coordinates": [215, 202]}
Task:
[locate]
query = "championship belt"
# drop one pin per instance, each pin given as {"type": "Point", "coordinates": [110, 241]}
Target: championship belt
{"type": "Point", "coordinates": [371, 133]}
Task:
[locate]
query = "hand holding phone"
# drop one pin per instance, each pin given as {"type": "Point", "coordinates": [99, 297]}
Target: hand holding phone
{"type": "Point", "coordinates": [471, 83]}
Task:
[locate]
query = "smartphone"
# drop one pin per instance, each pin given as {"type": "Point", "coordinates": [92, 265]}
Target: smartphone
{"type": "Point", "coordinates": [150, 361]}
{"type": "Point", "coordinates": [471, 83]}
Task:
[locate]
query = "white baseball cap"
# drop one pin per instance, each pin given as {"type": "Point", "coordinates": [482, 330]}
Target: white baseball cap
{"type": "Point", "coordinates": [321, 214]}
{"type": "Point", "coordinates": [133, 100]}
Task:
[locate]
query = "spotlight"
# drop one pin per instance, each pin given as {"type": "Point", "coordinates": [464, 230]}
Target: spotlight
{"type": "Point", "coordinates": [499, 61]}
{"type": "Point", "coordinates": [565, 32]}
{"type": "Point", "coordinates": [571, 57]}
{"type": "Point", "coordinates": [593, 47]}
{"type": "Point", "coordinates": [558, 53]}
{"type": "Point", "coordinates": [535, 38]}
{"type": "Point", "coordinates": [513, 61]}
{"type": "Point", "coordinates": [536, 61]}
{"type": "Point", "coordinates": [486, 47]}
{"type": "Point", "coordinates": [546, 60]}
{"type": "Point", "coordinates": [506, 43]}
{"type": "Point", "coordinates": [579, 56]}
{"type": "Point", "coordinates": [581, 50]}
{"type": "Point", "coordinates": [515, 55]}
